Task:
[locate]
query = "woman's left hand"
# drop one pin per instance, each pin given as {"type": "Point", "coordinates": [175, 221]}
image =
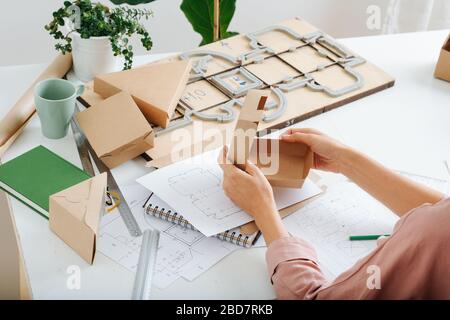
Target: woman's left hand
{"type": "Point", "coordinates": [251, 191]}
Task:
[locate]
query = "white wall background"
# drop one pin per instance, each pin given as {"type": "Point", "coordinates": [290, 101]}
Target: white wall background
{"type": "Point", "coordinates": [23, 39]}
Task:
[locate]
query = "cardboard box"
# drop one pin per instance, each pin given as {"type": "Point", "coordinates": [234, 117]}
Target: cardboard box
{"type": "Point", "coordinates": [75, 213]}
{"type": "Point", "coordinates": [156, 88]}
{"type": "Point", "coordinates": [247, 126]}
{"type": "Point", "coordinates": [116, 129]}
{"type": "Point", "coordinates": [443, 66]}
{"type": "Point", "coordinates": [284, 164]}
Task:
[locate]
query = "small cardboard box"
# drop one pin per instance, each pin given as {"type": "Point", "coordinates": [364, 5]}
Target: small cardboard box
{"type": "Point", "coordinates": [156, 88]}
{"type": "Point", "coordinates": [246, 126]}
{"type": "Point", "coordinates": [116, 129]}
{"type": "Point", "coordinates": [74, 215]}
{"type": "Point", "coordinates": [284, 164]}
{"type": "Point", "coordinates": [442, 70]}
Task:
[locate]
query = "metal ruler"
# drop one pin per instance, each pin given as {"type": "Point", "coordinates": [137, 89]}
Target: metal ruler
{"type": "Point", "coordinates": [146, 265]}
{"type": "Point", "coordinates": [84, 150]}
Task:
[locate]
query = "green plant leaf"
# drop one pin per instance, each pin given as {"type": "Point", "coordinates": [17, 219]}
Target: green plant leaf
{"type": "Point", "coordinates": [131, 2]}
{"type": "Point", "coordinates": [200, 14]}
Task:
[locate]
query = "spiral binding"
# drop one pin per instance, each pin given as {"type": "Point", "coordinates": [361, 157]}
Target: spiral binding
{"type": "Point", "coordinates": [174, 217]}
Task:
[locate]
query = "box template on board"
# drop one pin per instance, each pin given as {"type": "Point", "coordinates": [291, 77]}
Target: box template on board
{"type": "Point", "coordinates": [306, 71]}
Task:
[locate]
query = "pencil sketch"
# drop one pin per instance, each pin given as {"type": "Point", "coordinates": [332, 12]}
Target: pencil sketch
{"type": "Point", "coordinates": [182, 252]}
{"type": "Point", "coordinates": [203, 187]}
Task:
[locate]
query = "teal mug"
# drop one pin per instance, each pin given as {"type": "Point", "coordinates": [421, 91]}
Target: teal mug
{"type": "Point", "coordinates": [55, 105]}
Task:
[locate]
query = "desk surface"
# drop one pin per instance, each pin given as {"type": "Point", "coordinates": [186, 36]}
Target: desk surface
{"type": "Point", "coordinates": [405, 127]}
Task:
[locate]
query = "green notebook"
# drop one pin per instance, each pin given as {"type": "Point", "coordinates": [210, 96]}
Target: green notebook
{"type": "Point", "coordinates": [35, 175]}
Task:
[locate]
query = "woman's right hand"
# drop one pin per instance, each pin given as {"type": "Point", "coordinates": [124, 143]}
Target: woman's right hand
{"type": "Point", "coordinates": [328, 153]}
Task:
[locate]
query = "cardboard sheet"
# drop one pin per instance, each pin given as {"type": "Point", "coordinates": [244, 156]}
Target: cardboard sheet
{"type": "Point", "coordinates": [75, 215]}
{"type": "Point", "coordinates": [116, 129]}
{"type": "Point", "coordinates": [300, 103]}
{"type": "Point", "coordinates": [156, 89]}
{"type": "Point", "coordinates": [247, 126]}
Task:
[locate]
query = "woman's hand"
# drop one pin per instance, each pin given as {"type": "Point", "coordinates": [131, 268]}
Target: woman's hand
{"type": "Point", "coordinates": [328, 153]}
{"type": "Point", "coordinates": [251, 191]}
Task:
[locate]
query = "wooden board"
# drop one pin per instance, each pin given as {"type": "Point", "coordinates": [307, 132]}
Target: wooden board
{"type": "Point", "coordinates": [278, 56]}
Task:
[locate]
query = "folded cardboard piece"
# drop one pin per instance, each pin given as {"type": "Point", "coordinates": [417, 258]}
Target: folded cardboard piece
{"type": "Point", "coordinates": [156, 88]}
{"type": "Point", "coordinates": [442, 70]}
{"type": "Point", "coordinates": [246, 126]}
{"type": "Point", "coordinates": [116, 129]}
{"type": "Point", "coordinates": [75, 215]}
{"type": "Point", "coordinates": [284, 164]}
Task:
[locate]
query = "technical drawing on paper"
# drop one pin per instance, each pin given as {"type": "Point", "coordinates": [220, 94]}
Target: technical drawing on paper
{"type": "Point", "coordinates": [206, 191]}
{"type": "Point", "coordinates": [344, 210]}
{"type": "Point", "coordinates": [328, 222]}
{"type": "Point", "coordinates": [182, 252]}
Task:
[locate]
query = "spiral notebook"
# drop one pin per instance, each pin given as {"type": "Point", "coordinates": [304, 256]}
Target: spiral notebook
{"type": "Point", "coordinates": [157, 208]}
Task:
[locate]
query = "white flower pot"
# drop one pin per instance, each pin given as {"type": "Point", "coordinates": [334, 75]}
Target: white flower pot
{"type": "Point", "coordinates": [92, 56]}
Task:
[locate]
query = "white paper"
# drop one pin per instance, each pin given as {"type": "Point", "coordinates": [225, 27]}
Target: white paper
{"type": "Point", "coordinates": [193, 187]}
{"type": "Point", "coordinates": [182, 252]}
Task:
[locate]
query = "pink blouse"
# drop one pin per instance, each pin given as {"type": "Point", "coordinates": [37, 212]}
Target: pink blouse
{"type": "Point", "coordinates": [413, 263]}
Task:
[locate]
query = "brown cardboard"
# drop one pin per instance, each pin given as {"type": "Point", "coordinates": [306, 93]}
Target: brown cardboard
{"type": "Point", "coordinates": [156, 88]}
{"type": "Point", "coordinates": [284, 164]}
{"type": "Point", "coordinates": [74, 215]}
{"type": "Point", "coordinates": [116, 129]}
{"type": "Point", "coordinates": [442, 70]}
{"type": "Point", "coordinates": [201, 94]}
{"type": "Point", "coordinates": [301, 103]}
{"type": "Point", "coordinates": [246, 126]}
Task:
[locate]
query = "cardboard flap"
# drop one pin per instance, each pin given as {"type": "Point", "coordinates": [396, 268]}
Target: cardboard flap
{"type": "Point", "coordinates": [121, 149]}
{"type": "Point", "coordinates": [246, 126]}
{"type": "Point", "coordinates": [95, 201]}
{"type": "Point", "coordinates": [74, 199]}
{"type": "Point", "coordinates": [148, 138]}
{"type": "Point", "coordinates": [253, 107]}
{"type": "Point", "coordinates": [156, 88]}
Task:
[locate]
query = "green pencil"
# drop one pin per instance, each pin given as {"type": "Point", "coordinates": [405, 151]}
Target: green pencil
{"type": "Point", "coordinates": [368, 237]}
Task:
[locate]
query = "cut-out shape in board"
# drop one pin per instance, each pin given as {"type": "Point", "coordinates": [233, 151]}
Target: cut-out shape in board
{"type": "Point", "coordinates": [305, 59]}
{"type": "Point", "coordinates": [201, 94]}
{"type": "Point", "coordinates": [334, 77]}
{"type": "Point", "coordinates": [280, 41]}
{"type": "Point", "coordinates": [272, 70]}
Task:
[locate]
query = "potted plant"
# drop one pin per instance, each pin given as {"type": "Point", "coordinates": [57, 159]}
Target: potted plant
{"type": "Point", "coordinates": [209, 18]}
{"type": "Point", "coordinates": [96, 35]}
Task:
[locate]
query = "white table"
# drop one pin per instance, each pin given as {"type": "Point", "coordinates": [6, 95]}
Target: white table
{"type": "Point", "coordinates": [406, 127]}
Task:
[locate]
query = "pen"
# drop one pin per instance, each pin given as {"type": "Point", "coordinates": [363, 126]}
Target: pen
{"type": "Point", "coordinates": [368, 237]}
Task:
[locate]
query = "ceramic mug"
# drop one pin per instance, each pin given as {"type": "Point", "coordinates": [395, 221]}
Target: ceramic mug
{"type": "Point", "coordinates": [55, 105]}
